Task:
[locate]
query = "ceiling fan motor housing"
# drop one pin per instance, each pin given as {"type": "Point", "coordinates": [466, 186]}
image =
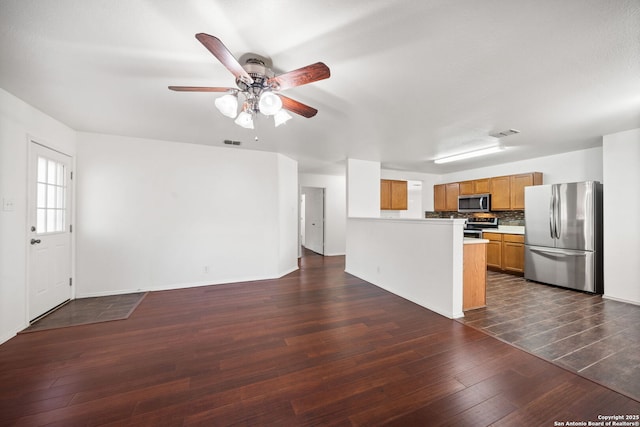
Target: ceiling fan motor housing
{"type": "Point", "coordinates": [259, 73]}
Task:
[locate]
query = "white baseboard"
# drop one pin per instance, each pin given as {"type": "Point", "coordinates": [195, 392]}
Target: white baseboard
{"type": "Point", "coordinates": [6, 337]}
{"type": "Point", "coordinates": [621, 300]}
{"type": "Point", "coordinates": [172, 286]}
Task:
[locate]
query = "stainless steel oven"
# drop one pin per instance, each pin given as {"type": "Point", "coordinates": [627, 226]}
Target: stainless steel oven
{"type": "Point", "coordinates": [474, 234]}
{"type": "Point", "coordinates": [474, 225]}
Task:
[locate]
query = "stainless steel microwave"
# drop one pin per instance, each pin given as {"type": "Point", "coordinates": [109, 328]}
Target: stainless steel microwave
{"type": "Point", "coordinates": [474, 203]}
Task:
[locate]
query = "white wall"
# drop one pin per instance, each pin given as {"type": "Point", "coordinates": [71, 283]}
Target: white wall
{"type": "Point", "coordinates": [18, 121]}
{"type": "Point", "coordinates": [363, 188]}
{"type": "Point", "coordinates": [287, 215]}
{"type": "Point", "coordinates": [157, 215]}
{"type": "Point", "coordinates": [335, 193]}
{"type": "Point", "coordinates": [575, 166]}
{"type": "Point", "coordinates": [418, 259]}
{"type": "Point", "coordinates": [621, 153]}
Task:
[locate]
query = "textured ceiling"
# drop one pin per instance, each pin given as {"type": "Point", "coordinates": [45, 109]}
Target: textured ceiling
{"type": "Point", "coordinates": [410, 80]}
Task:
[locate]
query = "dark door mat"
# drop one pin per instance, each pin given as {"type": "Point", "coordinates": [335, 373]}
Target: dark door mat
{"type": "Point", "coordinates": [84, 311]}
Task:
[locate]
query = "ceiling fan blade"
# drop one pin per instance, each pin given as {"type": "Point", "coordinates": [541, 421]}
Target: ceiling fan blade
{"type": "Point", "coordinates": [201, 89]}
{"type": "Point", "coordinates": [297, 107]}
{"type": "Point", "coordinates": [220, 51]}
{"type": "Point", "coordinates": [301, 76]}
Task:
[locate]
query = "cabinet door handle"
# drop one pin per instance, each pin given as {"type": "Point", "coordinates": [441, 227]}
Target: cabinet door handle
{"type": "Point", "coordinates": [35, 241]}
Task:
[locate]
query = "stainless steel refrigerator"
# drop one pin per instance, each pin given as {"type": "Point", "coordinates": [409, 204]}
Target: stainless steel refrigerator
{"type": "Point", "coordinates": [563, 235]}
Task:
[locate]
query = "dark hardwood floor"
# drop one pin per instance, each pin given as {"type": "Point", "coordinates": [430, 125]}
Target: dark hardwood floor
{"type": "Point", "coordinates": [317, 347]}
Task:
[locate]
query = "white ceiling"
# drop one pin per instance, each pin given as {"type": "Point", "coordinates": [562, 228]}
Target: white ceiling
{"type": "Point", "coordinates": [410, 80]}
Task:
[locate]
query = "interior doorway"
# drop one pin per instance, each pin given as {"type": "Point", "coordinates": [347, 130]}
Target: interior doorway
{"type": "Point", "coordinates": [312, 214]}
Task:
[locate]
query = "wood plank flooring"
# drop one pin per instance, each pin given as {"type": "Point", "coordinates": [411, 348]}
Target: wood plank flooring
{"type": "Point", "coordinates": [316, 347]}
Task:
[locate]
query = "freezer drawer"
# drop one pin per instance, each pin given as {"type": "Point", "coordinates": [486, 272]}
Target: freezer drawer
{"type": "Point", "coordinates": [562, 267]}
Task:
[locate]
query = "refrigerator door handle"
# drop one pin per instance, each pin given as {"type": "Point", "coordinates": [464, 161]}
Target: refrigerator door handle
{"type": "Point", "coordinates": [551, 212]}
{"type": "Point", "coordinates": [558, 252]}
{"type": "Point", "coordinates": [558, 220]}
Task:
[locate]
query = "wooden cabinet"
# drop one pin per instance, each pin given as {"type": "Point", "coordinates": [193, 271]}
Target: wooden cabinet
{"type": "Point", "coordinates": [477, 186]}
{"type": "Point", "coordinates": [507, 192]}
{"type": "Point", "coordinates": [505, 252]}
{"type": "Point", "coordinates": [474, 281]}
{"type": "Point", "coordinates": [518, 182]}
{"type": "Point", "coordinates": [393, 195]}
{"type": "Point", "coordinates": [453, 190]}
{"type": "Point", "coordinates": [481, 186]}
{"type": "Point", "coordinates": [440, 198]}
{"type": "Point", "coordinates": [494, 250]}
{"type": "Point", "coordinates": [385, 194]}
{"type": "Point", "coordinates": [513, 253]}
{"type": "Point", "coordinates": [466, 188]}
{"type": "Point", "coordinates": [445, 197]}
{"type": "Point", "coordinates": [500, 189]}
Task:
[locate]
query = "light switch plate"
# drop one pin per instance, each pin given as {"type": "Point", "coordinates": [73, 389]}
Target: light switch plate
{"type": "Point", "coordinates": [8, 204]}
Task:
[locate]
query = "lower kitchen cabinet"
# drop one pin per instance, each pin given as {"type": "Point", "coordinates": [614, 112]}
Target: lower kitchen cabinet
{"type": "Point", "coordinates": [513, 253]}
{"type": "Point", "coordinates": [494, 249]}
{"type": "Point", "coordinates": [505, 252]}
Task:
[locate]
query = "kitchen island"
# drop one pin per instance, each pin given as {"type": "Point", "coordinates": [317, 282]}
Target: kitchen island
{"type": "Point", "coordinates": [421, 260]}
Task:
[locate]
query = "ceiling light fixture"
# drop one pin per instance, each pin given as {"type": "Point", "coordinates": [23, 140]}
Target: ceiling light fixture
{"type": "Point", "coordinates": [281, 117]}
{"type": "Point", "coordinates": [227, 105]}
{"type": "Point", "coordinates": [258, 98]}
{"type": "Point", "coordinates": [269, 103]}
{"type": "Point", "coordinates": [245, 118]}
{"type": "Point", "coordinates": [257, 95]}
{"type": "Point", "coordinates": [257, 84]}
{"type": "Point", "coordinates": [470, 154]}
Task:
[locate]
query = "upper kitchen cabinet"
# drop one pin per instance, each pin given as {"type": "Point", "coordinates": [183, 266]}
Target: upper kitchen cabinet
{"type": "Point", "coordinates": [453, 191]}
{"type": "Point", "coordinates": [481, 186]}
{"type": "Point", "coordinates": [393, 195]}
{"type": "Point", "coordinates": [445, 197]}
{"type": "Point", "coordinates": [500, 189]}
{"type": "Point", "coordinates": [518, 182]}
{"type": "Point", "coordinates": [466, 188]}
{"type": "Point", "coordinates": [507, 192]}
{"type": "Point", "coordinates": [440, 198]}
{"type": "Point", "coordinates": [477, 186]}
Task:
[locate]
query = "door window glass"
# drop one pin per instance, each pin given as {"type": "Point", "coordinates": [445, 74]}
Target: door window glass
{"type": "Point", "coordinates": [51, 196]}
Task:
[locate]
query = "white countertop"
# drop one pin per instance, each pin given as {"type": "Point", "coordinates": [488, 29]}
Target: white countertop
{"type": "Point", "coordinates": [474, 241]}
{"type": "Point", "coordinates": [506, 229]}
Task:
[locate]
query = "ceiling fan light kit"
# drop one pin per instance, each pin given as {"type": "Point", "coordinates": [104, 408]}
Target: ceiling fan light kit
{"type": "Point", "coordinates": [269, 103]}
{"type": "Point", "coordinates": [228, 105]}
{"type": "Point", "coordinates": [281, 117]}
{"type": "Point", "coordinates": [257, 84]}
{"type": "Point", "coordinates": [245, 119]}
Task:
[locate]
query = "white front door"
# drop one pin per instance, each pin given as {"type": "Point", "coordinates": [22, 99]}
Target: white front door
{"type": "Point", "coordinates": [49, 231]}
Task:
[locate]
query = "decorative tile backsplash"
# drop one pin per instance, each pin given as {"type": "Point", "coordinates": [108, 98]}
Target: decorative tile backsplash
{"type": "Point", "coordinates": [504, 217]}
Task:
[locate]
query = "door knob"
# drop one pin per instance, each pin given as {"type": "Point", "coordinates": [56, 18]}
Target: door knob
{"type": "Point", "coordinates": [35, 241]}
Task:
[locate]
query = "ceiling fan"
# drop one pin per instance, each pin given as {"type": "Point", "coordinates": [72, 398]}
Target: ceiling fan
{"type": "Point", "coordinates": [257, 85]}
